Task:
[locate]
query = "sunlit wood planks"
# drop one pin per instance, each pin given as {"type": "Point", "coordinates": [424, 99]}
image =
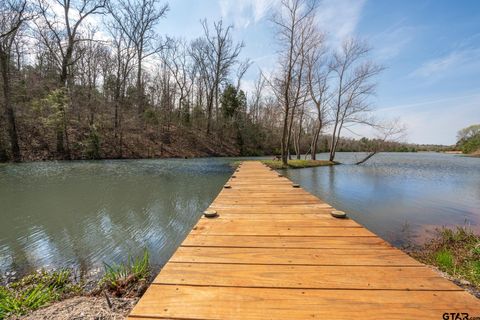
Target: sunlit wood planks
{"type": "Point", "coordinates": [274, 252]}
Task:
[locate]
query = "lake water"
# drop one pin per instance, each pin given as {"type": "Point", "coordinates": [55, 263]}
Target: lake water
{"type": "Point", "coordinates": [84, 213]}
{"type": "Point", "coordinates": [402, 197]}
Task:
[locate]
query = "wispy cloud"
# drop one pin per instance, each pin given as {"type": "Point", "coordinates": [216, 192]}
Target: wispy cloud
{"type": "Point", "coordinates": [339, 19]}
{"type": "Point", "coordinates": [429, 121]}
{"type": "Point", "coordinates": [392, 41]}
{"type": "Point", "coordinates": [244, 12]}
{"type": "Point", "coordinates": [460, 60]}
{"type": "Point", "coordinates": [434, 102]}
{"type": "Point", "coordinates": [436, 120]}
{"type": "Point", "coordinates": [438, 65]}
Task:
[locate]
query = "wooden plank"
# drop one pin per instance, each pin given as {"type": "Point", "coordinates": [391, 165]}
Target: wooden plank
{"type": "Point", "coordinates": [287, 256]}
{"type": "Point", "coordinates": [270, 216]}
{"type": "Point", "coordinates": [275, 252]}
{"type": "Point", "coordinates": [266, 201]}
{"type": "Point", "coordinates": [267, 230]}
{"type": "Point", "coordinates": [313, 277]}
{"type": "Point", "coordinates": [200, 240]}
{"type": "Point", "coordinates": [269, 196]}
{"type": "Point", "coordinates": [232, 225]}
{"type": "Point", "coordinates": [202, 302]}
{"type": "Point", "coordinates": [271, 209]}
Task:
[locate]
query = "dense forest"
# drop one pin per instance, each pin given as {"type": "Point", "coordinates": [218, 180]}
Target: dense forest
{"type": "Point", "coordinates": [91, 79]}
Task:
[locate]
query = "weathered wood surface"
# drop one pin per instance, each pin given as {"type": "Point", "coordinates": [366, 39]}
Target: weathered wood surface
{"type": "Point", "coordinates": [275, 252]}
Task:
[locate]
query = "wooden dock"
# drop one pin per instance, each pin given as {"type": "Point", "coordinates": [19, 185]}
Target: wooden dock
{"type": "Point", "coordinates": [275, 252]}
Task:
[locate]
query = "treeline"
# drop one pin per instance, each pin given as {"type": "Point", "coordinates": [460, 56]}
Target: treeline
{"type": "Point", "coordinates": [69, 94]}
{"type": "Point", "coordinates": [90, 79]}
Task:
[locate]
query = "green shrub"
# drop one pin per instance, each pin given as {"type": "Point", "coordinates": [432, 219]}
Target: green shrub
{"type": "Point", "coordinates": [454, 251]}
{"type": "Point", "coordinates": [444, 260]}
{"type": "Point", "coordinates": [93, 144]}
{"type": "Point", "coordinates": [123, 279]}
{"type": "Point", "coordinates": [34, 291]}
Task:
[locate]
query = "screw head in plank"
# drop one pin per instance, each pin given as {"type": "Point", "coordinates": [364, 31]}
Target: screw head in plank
{"type": "Point", "coordinates": [338, 214]}
{"type": "Point", "coordinates": [210, 213]}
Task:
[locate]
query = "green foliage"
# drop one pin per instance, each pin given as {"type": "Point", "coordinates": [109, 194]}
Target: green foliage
{"type": "Point", "coordinates": [121, 279]}
{"type": "Point", "coordinates": [455, 251]}
{"type": "Point", "coordinates": [54, 106]}
{"type": "Point", "coordinates": [469, 139]}
{"type": "Point", "coordinates": [185, 112]}
{"type": "Point", "coordinates": [93, 144]}
{"type": "Point", "coordinates": [470, 145]}
{"type": "Point", "coordinates": [242, 100]}
{"type": "Point", "coordinates": [444, 260]}
{"type": "Point", "coordinates": [474, 268]}
{"type": "Point", "coordinates": [469, 132]}
{"type": "Point", "coordinates": [151, 116]}
{"type": "Point", "coordinates": [230, 102]}
{"type": "Point", "coordinates": [35, 291]}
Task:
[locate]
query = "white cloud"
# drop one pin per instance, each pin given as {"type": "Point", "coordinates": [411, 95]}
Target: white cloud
{"type": "Point", "coordinates": [93, 22]}
{"type": "Point", "coordinates": [460, 60]}
{"type": "Point", "coordinates": [390, 42]}
{"type": "Point", "coordinates": [438, 65]}
{"type": "Point", "coordinates": [438, 120]}
{"type": "Point", "coordinates": [339, 19]}
{"type": "Point", "coordinates": [434, 121]}
{"type": "Point", "coordinates": [244, 12]}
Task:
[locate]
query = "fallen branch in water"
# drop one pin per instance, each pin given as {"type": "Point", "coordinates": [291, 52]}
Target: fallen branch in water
{"type": "Point", "coordinates": [387, 132]}
{"type": "Point", "coordinates": [371, 154]}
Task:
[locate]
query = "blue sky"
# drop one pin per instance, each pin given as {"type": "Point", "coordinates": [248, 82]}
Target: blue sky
{"type": "Point", "coordinates": [430, 48]}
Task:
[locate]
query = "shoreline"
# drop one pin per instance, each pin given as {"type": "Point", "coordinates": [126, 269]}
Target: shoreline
{"type": "Point", "coordinates": [205, 156]}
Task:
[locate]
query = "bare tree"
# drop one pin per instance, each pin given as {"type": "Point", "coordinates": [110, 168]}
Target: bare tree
{"type": "Point", "coordinates": [353, 88]}
{"type": "Point", "coordinates": [318, 86]}
{"type": "Point", "coordinates": [242, 69]}
{"type": "Point", "coordinates": [13, 15]}
{"type": "Point", "coordinates": [215, 54]}
{"type": "Point", "coordinates": [387, 132]}
{"type": "Point", "coordinates": [256, 98]}
{"type": "Point", "coordinates": [176, 58]}
{"type": "Point", "coordinates": [137, 20]}
{"type": "Point", "coordinates": [75, 95]}
{"type": "Point", "coordinates": [88, 70]}
{"type": "Point", "coordinates": [123, 61]}
{"type": "Point", "coordinates": [293, 23]}
{"type": "Point", "coordinates": [60, 33]}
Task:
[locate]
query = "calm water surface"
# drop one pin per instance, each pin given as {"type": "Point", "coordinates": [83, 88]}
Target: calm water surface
{"type": "Point", "coordinates": [402, 197]}
{"type": "Point", "coordinates": [84, 213]}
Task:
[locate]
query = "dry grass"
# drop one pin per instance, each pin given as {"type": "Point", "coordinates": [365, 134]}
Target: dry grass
{"type": "Point", "coordinates": [84, 307]}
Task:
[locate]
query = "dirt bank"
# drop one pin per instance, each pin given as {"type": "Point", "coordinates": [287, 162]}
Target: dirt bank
{"type": "Point", "coordinates": [84, 308]}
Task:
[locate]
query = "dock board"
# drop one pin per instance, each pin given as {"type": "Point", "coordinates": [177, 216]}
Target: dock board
{"type": "Point", "coordinates": [274, 252]}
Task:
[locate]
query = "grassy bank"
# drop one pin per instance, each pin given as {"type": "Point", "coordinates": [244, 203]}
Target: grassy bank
{"type": "Point", "coordinates": [35, 291]}
{"type": "Point", "coordinates": [60, 294]}
{"type": "Point", "coordinates": [298, 164]}
{"type": "Point", "coordinates": [455, 252]}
